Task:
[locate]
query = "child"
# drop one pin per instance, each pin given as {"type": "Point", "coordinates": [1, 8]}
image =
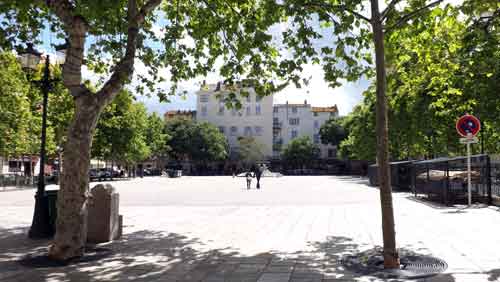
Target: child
{"type": "Point", "coordinates": [249, 176]}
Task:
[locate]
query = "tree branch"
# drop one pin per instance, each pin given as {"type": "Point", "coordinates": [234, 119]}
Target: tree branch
{"type": "Point", "coordinates": [355, 13]}
{"type": "Point", "coordinates": [76, 27]}
{"type": "Point", "coordinates": [145, 10]}
{"type": "Point", "coordinates": [330, 7]}
{"type": "Point", "coordinates": [412, 14]}
{"type": "Point", "coordinates": [63, 9]}
{"type": "Point", "coordinates": [388, 9]}
{"type": "Point", "coordinates": [125, 68]}
{"type": "Point", "coordinates": [72, 68]}
{"type": "Point", "coordinates": [487, 20]}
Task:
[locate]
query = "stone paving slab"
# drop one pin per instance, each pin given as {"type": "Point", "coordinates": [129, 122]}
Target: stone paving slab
{"type": "Point", "coordinates": [294, 229]}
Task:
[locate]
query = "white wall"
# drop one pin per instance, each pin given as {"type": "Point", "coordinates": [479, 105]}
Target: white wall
{"type": "Point", "coordinates": [239, 119]}
{"type": "Point", "coordinates": [285, 113]}
{"type": "Point", "coordinates": [309, 125]}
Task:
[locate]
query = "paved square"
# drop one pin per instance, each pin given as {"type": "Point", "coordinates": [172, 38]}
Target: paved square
{"type": "Point", "coordinates": [294, 229]}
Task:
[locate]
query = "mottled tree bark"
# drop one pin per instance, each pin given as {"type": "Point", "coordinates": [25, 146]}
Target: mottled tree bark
{"type": "Point", "coordinates": [391, 257]}
{"type": "Point", "coordinates": [71, 226]}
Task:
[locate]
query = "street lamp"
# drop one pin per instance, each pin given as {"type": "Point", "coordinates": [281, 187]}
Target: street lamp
{"type": "Point", "coordinates": [40, 226]}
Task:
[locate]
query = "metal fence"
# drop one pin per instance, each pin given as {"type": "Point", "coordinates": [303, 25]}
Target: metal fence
{"type": "Point", "coordinates": [445, 179]}
{"type": "Point", "coordinates": [13, 180]}
{"type": "Point", "coordinates": [495, 181]}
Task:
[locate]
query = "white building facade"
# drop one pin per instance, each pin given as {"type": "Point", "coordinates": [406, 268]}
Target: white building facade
{"type": "Point", "coordinates": [254, 119]}
{"type": "Point", "coordinates": [273, 126]}
{"type": "Point", "coordinates": [291, 121]}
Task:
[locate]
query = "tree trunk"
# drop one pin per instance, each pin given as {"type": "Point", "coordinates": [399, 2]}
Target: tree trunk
{"type": "Point", "coordinates": [71, 226]}
{"type": "Point", "coordinates": [391, 257]}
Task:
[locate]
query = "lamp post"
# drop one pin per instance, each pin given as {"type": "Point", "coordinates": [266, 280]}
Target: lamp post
{"type": "Point", "coordinates": [40, 226]}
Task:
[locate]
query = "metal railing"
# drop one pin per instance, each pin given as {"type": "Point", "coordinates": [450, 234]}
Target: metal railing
{"type": "Point", "coordinates": [445, 179]}
{"type": "Point", "coordinates": [14, 180]}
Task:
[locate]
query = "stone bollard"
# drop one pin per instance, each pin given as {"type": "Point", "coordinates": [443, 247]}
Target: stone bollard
{"type": "Point", "coordinates": [104, 222]}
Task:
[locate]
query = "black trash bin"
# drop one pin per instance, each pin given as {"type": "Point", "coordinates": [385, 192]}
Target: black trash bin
{"type": "Point", "coordinates": [52, 203]}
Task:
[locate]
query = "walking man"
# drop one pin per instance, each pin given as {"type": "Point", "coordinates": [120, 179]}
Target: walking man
{"type": "Point", "coordinates": [258, 174]}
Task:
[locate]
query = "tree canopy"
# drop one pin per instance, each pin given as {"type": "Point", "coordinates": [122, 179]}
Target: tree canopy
{"type": "Point", "coordinates": [250, 151]}
{"type": "Point", "coordinates": [196, 141]}
{"type": "Point", "coordinates": [300, 150]}
{"type": "Point", "coordinates": [442, 66]}
{"type": "Point", "coordinates": [333, 132]}
{"type": "Point", "coordinates": [121, 131]}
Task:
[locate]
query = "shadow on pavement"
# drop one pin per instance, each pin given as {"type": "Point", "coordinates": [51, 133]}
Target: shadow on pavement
{"type": "Point", "coordinates": [455, 209]}
{"type": "Point", "coordinates": [159, 256]}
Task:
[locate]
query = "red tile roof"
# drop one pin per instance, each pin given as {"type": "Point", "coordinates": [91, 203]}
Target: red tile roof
{"type": "Point", "coordinates": [332, 109]}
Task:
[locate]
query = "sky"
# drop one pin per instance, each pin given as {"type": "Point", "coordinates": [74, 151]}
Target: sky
{"type": "Point", "coordinates": [317, 93]}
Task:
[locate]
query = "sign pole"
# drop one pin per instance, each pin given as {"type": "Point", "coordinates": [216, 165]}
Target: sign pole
{"type": "Point", "coordinates": [468, 171]}
{"type": "Point", "coordinates": [468, 126]}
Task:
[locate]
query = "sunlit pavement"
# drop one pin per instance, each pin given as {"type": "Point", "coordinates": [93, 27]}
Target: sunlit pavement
{"type": "Point", "coordinates": [293, 229]}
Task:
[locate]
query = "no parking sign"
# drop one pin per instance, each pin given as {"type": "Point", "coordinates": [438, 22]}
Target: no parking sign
{"type": "Point", "coordinates": [468, 126]}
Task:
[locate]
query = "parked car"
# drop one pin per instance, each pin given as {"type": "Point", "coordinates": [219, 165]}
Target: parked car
{"type": "Point", "coordinates": [93, 173]}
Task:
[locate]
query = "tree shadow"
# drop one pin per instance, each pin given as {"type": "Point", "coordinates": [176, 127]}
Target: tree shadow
{"type": "Point", "coordinates": [454, 209]}
{"type": "Point", "coordinates": [150, 256]}
{"type": "Point", "coordinates": [153, 256]}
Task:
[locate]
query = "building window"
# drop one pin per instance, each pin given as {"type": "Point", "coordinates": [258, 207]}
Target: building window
{"type": "Point", "coordinates": [249, 110]}
{"type": "Point", "coordinates": [294, 110]}
{"type": "Point", "coordinates": [294, 133]}
{"type": "Point", "coordinates": [316, 138]}
{"type": "Point", "coordinates": [294, 121]}
{"type": "Point", "coordinates": [275, 109]}
{"type": "Point", "coordinates": [257, 110]}
{"type": "Point", "coordinates": [248, 131]}
{"type": "Point", "coordinates": [204, 98]}
{"type": "Point", "coordinates": [276, 120]}
{"type": "Point", "coordinates": [222, 129]}
{"type": "Point", "coordinates": [234, 130]}
{"type": "Point", "coordinates": [258, 130]}
{"type": "Point", "coordinates": [315, 114]}
{"type": "Point", "coordinates": [204, 111]}
{"type": "Point", "coordinates": [316, 124]}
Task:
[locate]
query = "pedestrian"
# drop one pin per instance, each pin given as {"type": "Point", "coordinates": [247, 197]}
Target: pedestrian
{"type": "Point", "coordinates": [258, 173]}
{"type": "Point", "coordinates": [248, 176]}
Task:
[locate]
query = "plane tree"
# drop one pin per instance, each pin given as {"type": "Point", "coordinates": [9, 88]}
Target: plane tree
{"type": "Point", "coordinates": [170, 41]}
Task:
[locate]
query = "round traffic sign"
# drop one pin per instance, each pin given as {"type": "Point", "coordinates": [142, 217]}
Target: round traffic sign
{"type": "Point", "coordinates": [468, 124]}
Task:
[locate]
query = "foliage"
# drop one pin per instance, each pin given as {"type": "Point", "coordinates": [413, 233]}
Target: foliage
{"type": "Point", "coordinates": [250, 150]}
{"type": "Point", "coordinates": [333, 132]}
{"type": "Point", "coordinates": [156, 137]}
{"type": "Point", "coordinates": [121, 132]}
{"type": "Point", "coordinates": [360, 123]}
{"type": "Point", "coordinates": [21, 107]}
{"type": "Point", "coordinates": [442, 66]}
{"type": "Point", "coordinates": [300, 150]}
{"type": "Point", "coordinates": [15, 113]}
{"type": "Point", "coordinates": [196, 141]}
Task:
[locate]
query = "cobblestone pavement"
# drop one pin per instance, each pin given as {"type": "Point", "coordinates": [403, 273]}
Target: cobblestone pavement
{"type": "Point", "coordinates": [294, 229]}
